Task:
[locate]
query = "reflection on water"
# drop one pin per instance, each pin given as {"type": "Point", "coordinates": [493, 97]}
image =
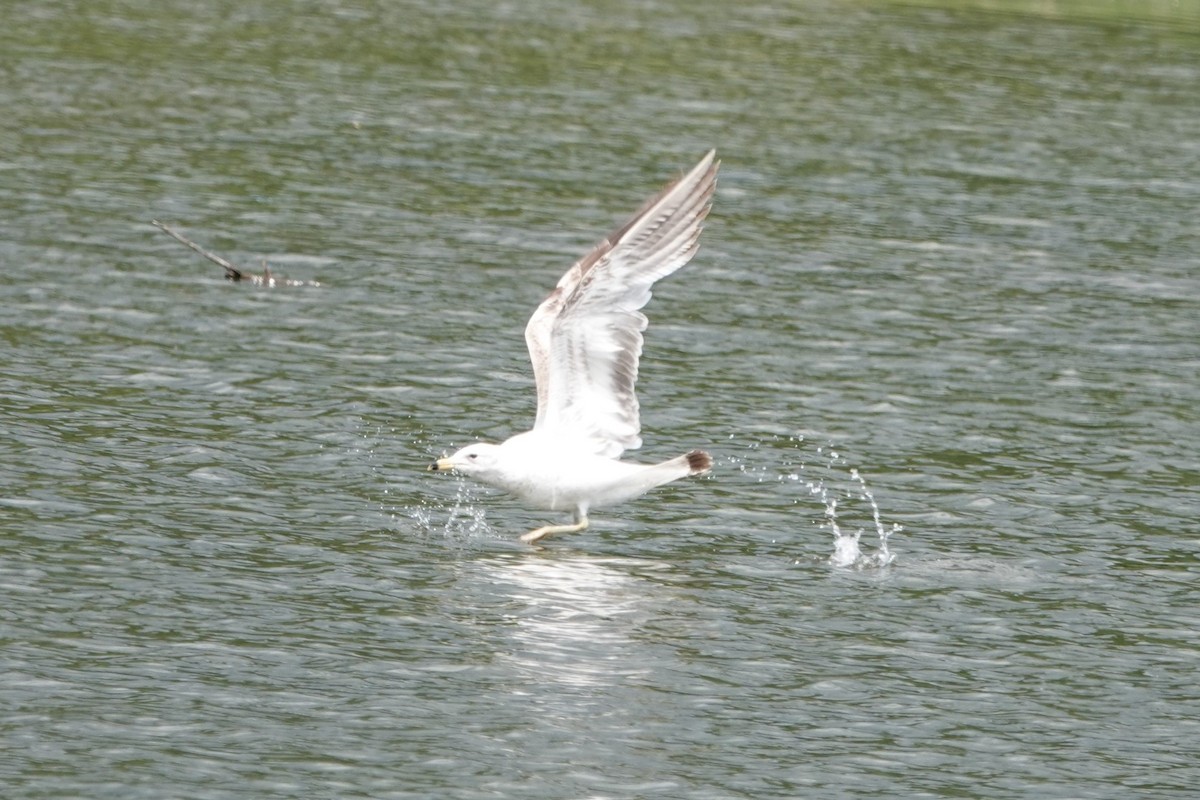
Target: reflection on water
{"type": "Point", "coordinates": [572, 628]}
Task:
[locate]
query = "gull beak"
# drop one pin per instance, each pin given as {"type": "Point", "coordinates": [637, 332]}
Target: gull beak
{"type": "Point", "coordinates": [441, 465]}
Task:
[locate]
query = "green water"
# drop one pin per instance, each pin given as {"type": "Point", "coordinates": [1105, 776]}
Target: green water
{"type": "Point", "coordinates": [953, 243]}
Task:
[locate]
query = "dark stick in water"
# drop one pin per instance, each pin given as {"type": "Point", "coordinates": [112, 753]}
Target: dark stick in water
{"type": "Point", "coordinates": [231, 272]}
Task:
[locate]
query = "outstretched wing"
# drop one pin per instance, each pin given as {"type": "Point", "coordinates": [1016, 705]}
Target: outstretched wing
{"type": "Point", "coordinates": [585, 339]}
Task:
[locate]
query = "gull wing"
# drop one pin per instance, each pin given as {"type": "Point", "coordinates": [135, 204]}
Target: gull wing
{"type": "Point", "coordinates": [585, 339]}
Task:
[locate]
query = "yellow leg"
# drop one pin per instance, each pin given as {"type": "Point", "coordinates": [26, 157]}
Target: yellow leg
{"type": "Point", "coordinates": [549, 530]}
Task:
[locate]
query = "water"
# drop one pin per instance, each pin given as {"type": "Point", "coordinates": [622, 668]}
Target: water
{"type": "Point", "coordinates": [954, 247]}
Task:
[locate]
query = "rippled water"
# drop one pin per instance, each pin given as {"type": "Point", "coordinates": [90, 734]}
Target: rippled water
{"type": "Point", "coordinates": [949, 286]}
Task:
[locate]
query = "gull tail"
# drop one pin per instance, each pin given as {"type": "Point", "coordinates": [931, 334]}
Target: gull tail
{"type": "Point", "coordinates": [698, 462]}
{"type": "Point", "coordinates": [630, 480]}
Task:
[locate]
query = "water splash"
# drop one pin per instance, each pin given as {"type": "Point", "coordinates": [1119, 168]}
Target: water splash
{"type": "Point", "coordinates": [842, 483]}
{"type": "Point", "coordinates": [882, 556]}
{"type": "Point", "coordinates": [466, 515]}
{"type": "Point", "coordinates": [459, 517]}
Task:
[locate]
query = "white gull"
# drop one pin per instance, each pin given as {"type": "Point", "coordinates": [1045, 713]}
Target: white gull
{"type": "Point", "coordinates": [585, 340]}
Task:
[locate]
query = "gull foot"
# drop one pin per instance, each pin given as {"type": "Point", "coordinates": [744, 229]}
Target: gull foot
{"type": "Point", "coordinates": [548, 530]}
{"type": "Point", "coordinates": [535, 536]}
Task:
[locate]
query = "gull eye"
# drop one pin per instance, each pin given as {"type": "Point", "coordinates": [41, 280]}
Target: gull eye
{"type": "Point", "coordinates": [472, 456]}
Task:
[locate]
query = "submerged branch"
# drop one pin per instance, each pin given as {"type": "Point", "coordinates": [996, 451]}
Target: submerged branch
{"type": "Point", "coordinates": [232, 273]}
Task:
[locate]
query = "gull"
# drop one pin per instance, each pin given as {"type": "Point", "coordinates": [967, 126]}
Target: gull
{"type": "Point", "coordinates": [585, 340]}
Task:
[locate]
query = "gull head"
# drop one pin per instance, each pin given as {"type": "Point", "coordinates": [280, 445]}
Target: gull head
{"type": "Point", "coordinates": [477, 460]}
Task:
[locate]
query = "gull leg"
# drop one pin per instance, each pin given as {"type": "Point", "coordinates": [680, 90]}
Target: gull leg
{"type": "Point", "coordinates": [581, 522]}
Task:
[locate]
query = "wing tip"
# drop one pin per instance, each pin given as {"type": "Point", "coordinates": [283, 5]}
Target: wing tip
{"type": "Point", "coordinates": [706, 168]}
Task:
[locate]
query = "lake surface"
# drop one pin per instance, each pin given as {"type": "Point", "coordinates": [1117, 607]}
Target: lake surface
{"type": "Point", "coordinates": [949, 285]}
